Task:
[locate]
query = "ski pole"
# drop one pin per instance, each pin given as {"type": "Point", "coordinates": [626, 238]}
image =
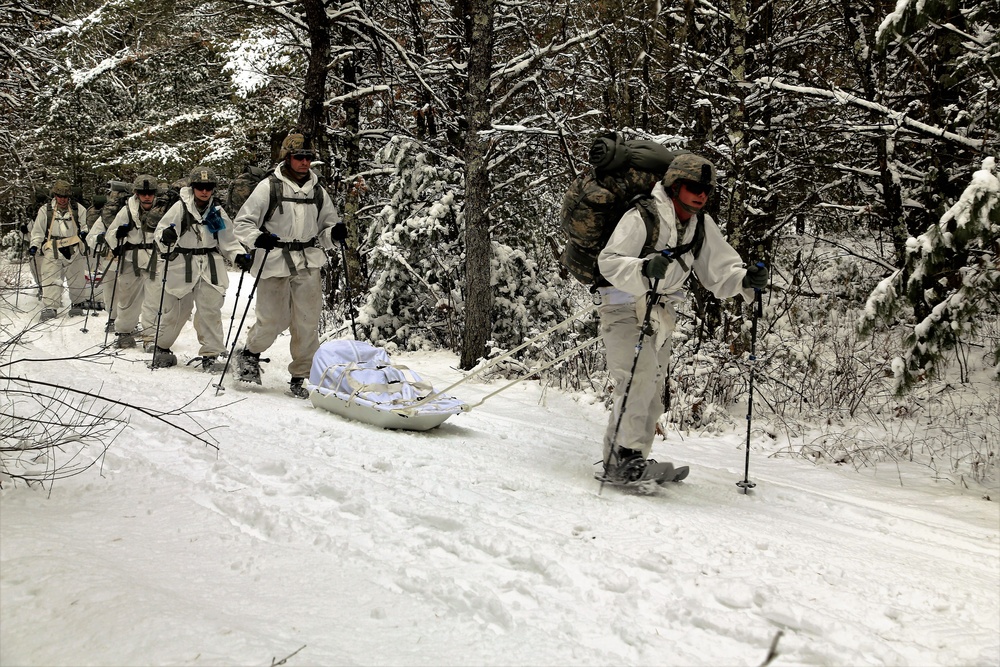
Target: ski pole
{"type": "Point", "coordinates": [114, 288]}
{"type": "Point", "coordinates": [652, 299]}
{"type": "Point", "coordinates": [347, 290]}
{"type": "Point", "coordinates": [20, 263]}
{"type": "Point", "coordinates": [232, 350]}
{"type": "Point", "coordinates": [232, 318]}
{"type": "Point", "coordinates": [159, 313]}
{"type": "Point", "coordinates": [93, 275]}
{"type": "Point", "coordinates": [756, 312]}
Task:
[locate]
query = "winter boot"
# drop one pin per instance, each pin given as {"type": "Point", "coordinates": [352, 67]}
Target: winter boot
{"type": "Point", "coordinates": [125, 341]}
{"type": "Point", "coordinates": [47, 314]}
{"type": "Point", "coordinates": [163, 358]}
{"type": "Point", "coordinates": [77, 309]}
{"type": "Point", "coordinates": [248, 366]}
{"type": "Point", "coordinates": [148, 346]}
{"type": "Point", "coordinates": [110, 326]}
{"type": "Point", "coordinates": [626, 465]}
{"type": "Point", "coordinates": [297, 387]}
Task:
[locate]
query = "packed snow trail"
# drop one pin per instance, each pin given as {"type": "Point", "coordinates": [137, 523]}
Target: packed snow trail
{"type": "Point", "coordinates": [484, 541]}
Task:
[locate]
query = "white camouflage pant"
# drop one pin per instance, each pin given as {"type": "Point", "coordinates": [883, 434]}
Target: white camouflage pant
{"type": "Point", "coordinates": [53, 269]}
{"type": "Point", "coordinates": [620, 328]}
{"type": "Point", "coordinates": [206, 302]}
{"type": "Point", "coordinates": [293, 303]}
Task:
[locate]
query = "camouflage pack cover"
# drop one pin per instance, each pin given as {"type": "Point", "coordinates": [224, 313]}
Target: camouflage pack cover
{"type": "Point", "coordinates": [241, 187]}
{"type": "Point", "coordinates": [116, 199]}
{"type": "Point", "coordinates": [596, 200]}
{"type": "Point", "coordinates": [166, 197]}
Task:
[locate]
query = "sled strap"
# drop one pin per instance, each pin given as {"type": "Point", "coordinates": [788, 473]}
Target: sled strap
{"type": "Point", "coordinates": [424, 388]}
{"type": "Point", "coordinates": [563, 357]}
{"type": "Point", "coordinates": [486, 365]}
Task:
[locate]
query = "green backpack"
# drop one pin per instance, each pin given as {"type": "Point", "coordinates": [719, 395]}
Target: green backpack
{"type": "Point", "coordinates": [623, 176]}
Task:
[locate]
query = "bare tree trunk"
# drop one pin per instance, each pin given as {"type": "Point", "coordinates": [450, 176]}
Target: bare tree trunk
{"type": "Point", "coordinates": [478, 250]}
{"type": "Point", "coordinates": [310, 121]}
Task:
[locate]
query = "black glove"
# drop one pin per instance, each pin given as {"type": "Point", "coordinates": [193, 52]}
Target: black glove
{"type": "Point", "coordinates": [118, 251]}
{"type": "Point", "coordinates": [243, 262]}
{"type": "Point", "coordinates": [169, 236]}
{"type": "Point", "coordinates": [267, 241]}
{"type": "Point", "coordinates": [339, 232]}
{"type": "Point", "coordinates": [83, 234]}
{"type": "Point", "coordinates": [24, 228]}
{"type": "Point", "coordinates": [66, 251]}
{"type": "Point", "coordinates": [656, 267]}
{"type": "Point", "coordinates": [756, 277]}
{"type": "Point", "coordinates": [100, 240]}
{"type": "Point", "coordinates": [122, 231]}
{"type": "Point", "coordinates": [32, 250]}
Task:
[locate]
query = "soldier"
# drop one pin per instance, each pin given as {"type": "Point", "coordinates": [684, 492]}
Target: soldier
{"type": "Point", "coordinates": [290, 219]}
{"type": "Point", "coordinates": [645, 279]}
{"type": "Point", "coordinates": [99, 261]}
{"type": "Point", "coordinates": [119, 193]}
{"type": "Point", "coordinates": [193, 232]}
{"type": "Point", "coordinates": [59, 231]}
{"type": "Point", "coordinates": [130, 236]}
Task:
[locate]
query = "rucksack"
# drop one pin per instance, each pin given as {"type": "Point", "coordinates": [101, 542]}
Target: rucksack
{"type": "Point", "coordinates": [118, 194]}
{"type": "Point", "coordinates": [623, 176]}
{"type": "Point", "coordinates": [241, 187]}
{"type": "Point", "coordinates": [245, 183]}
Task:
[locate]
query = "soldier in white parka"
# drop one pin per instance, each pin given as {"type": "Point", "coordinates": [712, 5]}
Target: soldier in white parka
{"type": "Point", "coordinates": [290, 219]}
{"type": "Point", "coordinates": [58, 244]}
{"type": "Point", "coordinates": [196, 235]}
{"type": "Point", "coordinates": [633, 263]}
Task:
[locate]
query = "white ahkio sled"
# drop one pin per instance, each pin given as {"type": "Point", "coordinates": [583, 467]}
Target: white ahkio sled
{"type": "Point", "coordinates": [356, 380]}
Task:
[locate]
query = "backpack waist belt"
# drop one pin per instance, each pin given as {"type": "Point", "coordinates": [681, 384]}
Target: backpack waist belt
{"type": "Point", "coordinates": [189, 254]}
{"type": "Point", "coordinates": [57, 242]}
{"type": "Point", "coordinates": [297, 245]}
{"type": "Point", "coordinates": [288, 246]}
{"type": "Point", "coordinates": [135, 248]}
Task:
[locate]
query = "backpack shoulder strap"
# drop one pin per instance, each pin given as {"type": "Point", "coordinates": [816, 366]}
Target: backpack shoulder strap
{"type": "Point", "coordinates": [318, 198]}
{"type": "Point", "coordinates": [273, 200]}
{"type": "Point", "coordinates": [647, 210]}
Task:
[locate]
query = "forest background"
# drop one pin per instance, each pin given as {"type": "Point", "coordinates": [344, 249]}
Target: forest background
{"type": "Point", "coordinates": [855, 143]}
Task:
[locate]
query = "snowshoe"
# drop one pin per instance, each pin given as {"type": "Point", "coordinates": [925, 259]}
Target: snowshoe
{"type": "Point", "coordinates": [631, 469]}
{"type": "Point", "coordinates": [47, 314]}
{"type": "Point", "coordinates": [163, 358]}
{"type": "Point", "coordinates": [110, 326]}
{"type": "Point", "coordinates": [77, 309]}
{"type": "Point", "coordinates": [679, 474]}
{"type": "Point", "coordinates": [248, 367]}
{"type": "Point", "coordinates": [297, 387]}
{"type": "Point", "coordinates": [626, 466]}
{"type": "Point", "coordinates": [125, 341]}
{"type": "Point", "coordinates": [148, 346]}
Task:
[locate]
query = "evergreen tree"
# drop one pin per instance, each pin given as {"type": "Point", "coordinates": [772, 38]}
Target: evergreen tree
{"type": "Point", "coordinates": [953, 271]}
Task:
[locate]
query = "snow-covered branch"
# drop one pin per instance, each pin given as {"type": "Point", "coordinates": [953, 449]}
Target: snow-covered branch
{"type": "Point", "coordinates": [844, 97]}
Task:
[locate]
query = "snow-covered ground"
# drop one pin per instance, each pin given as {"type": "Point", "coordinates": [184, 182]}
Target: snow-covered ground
{"type": "Point", "coordinates": [310, 538]}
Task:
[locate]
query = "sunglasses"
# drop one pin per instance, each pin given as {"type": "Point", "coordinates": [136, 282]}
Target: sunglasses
{"type": "Point", "coordinates": [203, 186]}
{"type": "Point", "coordinates": [696, 188]}
{"type": "Point", "coordinates": [303, 156]}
